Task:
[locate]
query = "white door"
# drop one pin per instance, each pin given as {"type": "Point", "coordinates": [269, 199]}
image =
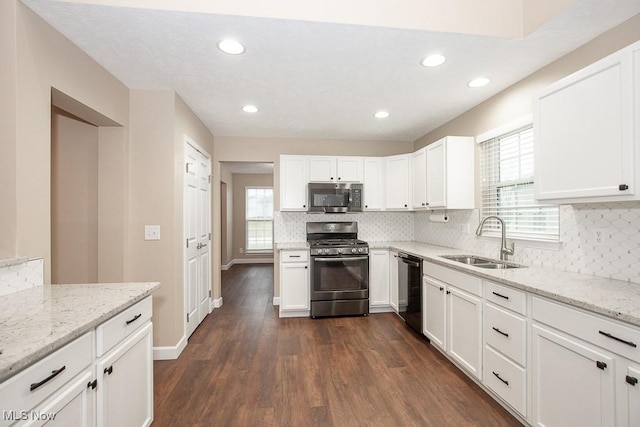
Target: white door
{"type": "Point", "coordinates": [632, 384]}
{"type": "Point", "coordinates": [435, 312]}
{"type": "Point", "coordinates": [464, 324]}
{"type": "Point", "coordinates": [379, 278]}
{"type": "Point", "coordinates": [373, 183]}
{"type": "Point", "coordinates": [197, 228]}
{"type": "Point", "coordinates": [393, 280]}
{"type": "Point", "coordinates": [419, 182]}
{"type": "Point", "coordinates": [436, 175]}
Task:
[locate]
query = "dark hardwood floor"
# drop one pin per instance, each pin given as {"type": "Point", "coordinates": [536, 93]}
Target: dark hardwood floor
{"type": "Point", "coordinates": [244, 366]}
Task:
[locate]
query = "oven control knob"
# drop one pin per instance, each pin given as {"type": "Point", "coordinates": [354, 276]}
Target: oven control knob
{"type": "Point", "coordinates": [361, 250]}
{"type": "Point", "coordinates": [339, 250]}
{"type": "Point", "coordinates": [354, 251]}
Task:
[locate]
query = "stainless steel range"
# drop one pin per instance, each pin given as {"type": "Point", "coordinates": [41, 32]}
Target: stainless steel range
{"type": "Point", "coordinates": [339, 269]}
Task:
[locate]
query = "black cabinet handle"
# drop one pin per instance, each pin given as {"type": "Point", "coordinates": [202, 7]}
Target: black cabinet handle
{"type": "Point", "coordinates": [136, 317]}
{"type": "Point", "coordinates": [601, 365]}
{"type": "Point", "coordinates": [441, 289]}
{"type": "Point", "coordinates": [500, 332]}
{"type": "Point", "coordinates": [498, 377]}
{"type": "Point", "coordinates": [608, 335]}
{"type": "Point", "coordinates": [623, 187]}
{"type": "Point", "coordinates": [294, 256]}
{"type": "Point", "coordinates": [92, 384]}
{"type": "Point", "coordinates": [54, 374]}
{"type": "Point", "coordinates": [500, 295]}
{"type": "Point", "coordinates": [108, 370]}
{"type": "Point", "coordinates": [631, 380]}
{"type": "Point", "coordinates": [448, 292]}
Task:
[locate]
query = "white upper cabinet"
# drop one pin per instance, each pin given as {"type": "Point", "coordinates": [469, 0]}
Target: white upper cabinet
{"type": "Point", "coordinates": [293, 183]}
{"type": "Point", "coordinates": [373, 183]}
{"type": "Point", "coordinates": [585, 146]}
{"type": "Point", "coordinates": [335, 169]}
{"type": "Point", "coordinates": [419, 179]}
{"type": "Point", "coordinates": [450, 176]}
{"type": "Point", "coordinates": [398, 184]}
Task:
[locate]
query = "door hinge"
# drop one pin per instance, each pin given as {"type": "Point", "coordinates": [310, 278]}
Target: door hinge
{"type": "Point", "coordinates": [187, 242]}
{"type": "Point", "coordinates": [210, 179]}
{"type": "Point", "coordinates": [209, 236]}
{"type": "Point", "coordinates": [187, 317]}
{"type": "Point", "coordinates": [209, 293]}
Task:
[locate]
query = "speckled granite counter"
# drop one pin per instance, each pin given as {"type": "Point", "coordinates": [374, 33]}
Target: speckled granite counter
{"type": "Point", "coordinates": [292, 246]}
{"type": "Point", "coordinates": [612, 298]}
{"type": "Point", "coordinates": [36, 322]}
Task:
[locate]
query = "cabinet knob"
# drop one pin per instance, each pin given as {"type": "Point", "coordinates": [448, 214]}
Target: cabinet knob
{"type": "Point", "coordinates": [305, 267]}
{"type": "Point", "coordinates": [331, 178]}
{"type": "Point", "coordinates": [631, 380]}
{"type": "Point", "coordinates": [601, 365]}
{"type": "Point", "coordinates": [339, 178]}
{"type": "Point", "coordinates": [304, 206]}
{"type": "Point", "coordinates": [441, 289]}
{"type": "Point", "coordinates": [623, 187]}
{"type": "Point", "coordinates": [448, 292]}
{"type": "Point", "coordinates": [366, 206]}
{"type": "Point", "coordinates": [405, 205]}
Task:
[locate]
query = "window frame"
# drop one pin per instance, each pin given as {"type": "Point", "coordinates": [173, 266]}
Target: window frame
{"type": "Point", "coordinates": [266, 219]}
{"type": "Point", "coordinates": [551, 232]}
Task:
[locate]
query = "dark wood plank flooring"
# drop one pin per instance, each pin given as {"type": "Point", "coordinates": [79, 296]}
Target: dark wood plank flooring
{"type": "Point", "coordinates": [244, 366]}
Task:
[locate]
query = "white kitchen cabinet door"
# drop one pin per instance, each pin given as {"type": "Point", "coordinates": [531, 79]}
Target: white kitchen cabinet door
{"type": "Point", "coordinates": [398, 184]}
{"type": "Point", "coordinates": [125, 382]}
{"type": "Point", "coordinates": [322, 169]}
{"type": "Point", "coordinates": [350, 169]}
{"type": "Point", "coordinates": [373, 183]}
{"type": "Point", "coordinates": [464, 324]}
{"type": "Point", "coordinates": [632, 388]}
{"type": "Point", "coordinates": [293, 183]}
{"type": "Point", "coordinates": [436, 174]}
{"type": "Point", "coordinates": [379, 278]}
{"type": "Point", "coordinates": [393, 280]}
{"type": "Point", "coordinates": [434, 314]}
{"type": "Point", "coordinates": [573, 382]}
{"type": "Point", "coordinates": [419, 179]}
{"type": "Point", "coordinates": [586, 119]}
{"type": "Point", "coordinates": [294, 286]}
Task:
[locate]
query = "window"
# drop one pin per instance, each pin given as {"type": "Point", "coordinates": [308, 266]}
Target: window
{"type": "Point", "coordinates": [259, 217]}
{"type": "Point", "coordinates": [506, 164]}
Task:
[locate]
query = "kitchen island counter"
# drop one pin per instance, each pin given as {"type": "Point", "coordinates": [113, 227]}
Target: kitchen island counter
{"type": "Point", "coordinates": [36, 322]}
{"type": "Point", "coordinates": [612, 298]}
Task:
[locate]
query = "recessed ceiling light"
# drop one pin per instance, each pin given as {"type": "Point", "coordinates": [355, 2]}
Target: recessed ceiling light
{"type": "Point", "coordinates": [381, 115]}
{"type": "Point", "coordinates": [232, 47]}
{"type": "Point", "coordinates": [434, 60]}
{"type": "Point", "coordinates": [250, 109]}
{"type": "Point", "coordinates": [479, 82]}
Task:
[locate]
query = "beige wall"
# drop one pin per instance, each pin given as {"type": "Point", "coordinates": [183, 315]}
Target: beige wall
{"type": "Point", "coordinates": [516, 101]}
{"type": "Point", "coordinates": [226, 216]}
{"type": "Point", "coordinates": [74, 199]}
{"type": "Point", "coordinates": [240, 182]}
{"type": "Point", "coordinates": [42, 58]}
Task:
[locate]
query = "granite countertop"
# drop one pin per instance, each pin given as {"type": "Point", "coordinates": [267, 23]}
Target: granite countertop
{"type": "Point", "coordinates": [612, 298]}
{"type": "Point", "coordinates": [292, 246]}
{"type": "Point", "coordinates": [35, 322]}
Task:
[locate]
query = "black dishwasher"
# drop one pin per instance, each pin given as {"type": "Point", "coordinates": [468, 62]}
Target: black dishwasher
{"type": "Point", "coordinates": [410, 290]}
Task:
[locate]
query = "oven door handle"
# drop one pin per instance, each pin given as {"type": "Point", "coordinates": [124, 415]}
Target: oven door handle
{"type": "Point", "coordinates": [340, 259]}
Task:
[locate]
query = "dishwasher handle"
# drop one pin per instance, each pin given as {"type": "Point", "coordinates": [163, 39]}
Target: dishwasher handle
{"type": "Point", "coordinates": [408, 260]}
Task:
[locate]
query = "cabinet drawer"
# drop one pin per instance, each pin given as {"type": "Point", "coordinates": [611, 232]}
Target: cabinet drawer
{"type": "Point", "coordinates": [608, 334]}
{"type": "Point", "coordinates": [460, 280]}
{"type": "Point", "coordinates": [505, 332]}
{"type": "Point", "coordinates": [118, 327]}
{"type": "Point", "coordinates": [506, 297]}
{"type": "Point", "coordinates": [16, 392]}
{"type": "Point", "coordinates": [294, 256]}
{"type": "Point", "coordinates": [506, 379]}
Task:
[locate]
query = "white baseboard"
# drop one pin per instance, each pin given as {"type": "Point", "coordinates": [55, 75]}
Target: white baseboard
{"type": "Point", "coordinates": [217, 303]}
{"type": "Point", "coordinates": [276, 300]}
{"type": "Point", "coordinates": [253, 261]}
{"type": "Point", "coordinates": [170, 352]}
{"type": "Point", "coordinates": [227, 266]}
{"type": "Point", "coordinates": [384, 309]}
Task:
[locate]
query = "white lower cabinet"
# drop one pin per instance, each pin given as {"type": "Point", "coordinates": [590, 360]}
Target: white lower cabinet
{"type": "Point", "coordinates": [506, 378]}
{"type": "Point", "coordinates": [573, 382]}
{"type": "Point", "coordinates": [125, 376]}
{"type": "Point", "coordinates": [70, 387]}
{"type": "Point", "coordinates": [452, 317]}
{"type": "Point", "coordinates": [379, 280]}
{"type": "Point", "coordinates": [630, 405]}
{"type": "Point", "coordinates": [393, 280]}
{"type": "Point", "coordinates": [294, 283]}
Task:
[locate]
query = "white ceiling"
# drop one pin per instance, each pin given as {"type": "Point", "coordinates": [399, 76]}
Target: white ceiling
{"type": "Point", "coordinates": [313, 79]}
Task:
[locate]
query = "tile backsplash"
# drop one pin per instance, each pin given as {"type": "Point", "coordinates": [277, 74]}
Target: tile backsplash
{"type": "Point", "coordinates": [290, 227]}
{"type": "Point", "coordinates": [616, 256]}
{"type": "Point", "coordinates": [20, 275]}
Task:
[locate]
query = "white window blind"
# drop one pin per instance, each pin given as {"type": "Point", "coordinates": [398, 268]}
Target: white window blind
{"type": "Point", "coordinates": [259, 217]}
{"type": "Point", "coordinates": [506, 165]}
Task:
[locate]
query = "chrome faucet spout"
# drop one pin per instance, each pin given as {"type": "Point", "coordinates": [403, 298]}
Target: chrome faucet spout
{"type": "Point", "coordinates": [505, 250]}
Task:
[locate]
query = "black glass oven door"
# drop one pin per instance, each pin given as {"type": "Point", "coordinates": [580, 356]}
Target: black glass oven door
{"type": "Point", "coordinates": [339, 278]}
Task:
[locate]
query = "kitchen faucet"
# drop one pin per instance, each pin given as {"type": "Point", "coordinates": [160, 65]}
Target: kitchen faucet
{"type": "Point", "coordinates": [505, 251]}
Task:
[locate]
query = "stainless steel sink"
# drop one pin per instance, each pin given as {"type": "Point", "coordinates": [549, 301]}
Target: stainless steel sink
{"type": "Point", "coordinates": [481, 262]}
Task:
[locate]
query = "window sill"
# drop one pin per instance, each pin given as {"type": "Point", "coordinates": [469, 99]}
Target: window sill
{"type": "Point", "coordinates": [259, 252]}
{"type": "Point", "coordinates": [554, 245]}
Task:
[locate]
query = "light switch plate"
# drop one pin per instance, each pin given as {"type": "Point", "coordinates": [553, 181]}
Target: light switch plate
{"type": "Point", "coordinates": [151, 232]}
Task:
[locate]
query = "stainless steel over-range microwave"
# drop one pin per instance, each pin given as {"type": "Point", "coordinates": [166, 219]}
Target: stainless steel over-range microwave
{"type": "Point", "coordinates": [335, 198]}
